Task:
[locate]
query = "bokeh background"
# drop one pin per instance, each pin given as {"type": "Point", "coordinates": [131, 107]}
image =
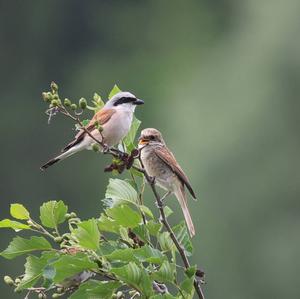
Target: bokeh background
{"type": "Point", "coordinates": [221, 81]}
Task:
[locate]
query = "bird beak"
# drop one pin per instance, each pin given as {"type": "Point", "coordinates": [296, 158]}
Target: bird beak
{"type": "Point", "coordinates": [138, 102]}
{"type": "Point", "coordinates": [143, 141]}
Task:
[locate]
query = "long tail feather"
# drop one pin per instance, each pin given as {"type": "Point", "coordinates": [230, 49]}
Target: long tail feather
{"type": "Point", "coordinates": [64, 155]}
{"type": "Point", "coordinates": [181, 197]}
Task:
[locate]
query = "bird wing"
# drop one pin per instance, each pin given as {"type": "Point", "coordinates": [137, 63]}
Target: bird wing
{"type": "Point", "coordinates": [102, 117]}
{"type": "Point", "coordinates": [168, 158]}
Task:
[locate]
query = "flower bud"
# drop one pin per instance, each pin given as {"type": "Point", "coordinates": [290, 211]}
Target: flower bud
{"type": "Point", "coordinates": [47, 96]}
{"type": "Point", "coordinates": [120, 295]}
{"type": "Point", "coordinates": [73, 215]}
{"type": "Point", "coordinates": [55, 97]}
{"type": "Point", "coordinates": [55, 295]}
{"type": "Point", "coordinates": [59, 290]}
{"type": "Point", "coordinates": [58, 239]}
{"type": "Point", "coordinates": [54, 103]}
{"type": "Point", "coordinates": [96, 97]}
{"type": "Point", "coordinates": [68, 216]}
{"type": "Point", "coordinates": [67, 102]}
{"type": "Point", "coordinates": [82, 103]}
{"type": "Point", "coordinates": [8, 280]}
{"type": "Point", "coordinates": [73, 106]}
{"type": "Point", "coordinates": [42, 296]}
{"type": "Point", "coordinates": [17, 280]}
{"type": "Point", "coordinates": [96, 147]}
{"type": "Point", "coordinates": [54, 87]}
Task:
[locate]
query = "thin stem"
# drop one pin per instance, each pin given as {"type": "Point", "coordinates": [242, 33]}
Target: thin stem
{"type": "Point", "coordinates": [165, 222]}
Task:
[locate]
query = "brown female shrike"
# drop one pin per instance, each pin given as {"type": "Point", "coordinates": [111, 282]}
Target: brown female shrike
{"type": "Point", "coordinates": [115, 118]}
{"type": "Point", "coordinates": [160, 163]}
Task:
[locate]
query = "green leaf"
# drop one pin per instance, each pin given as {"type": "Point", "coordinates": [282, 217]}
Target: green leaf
{"type": "Point", "coordinates": [183, 237]}
{"type": "Point", "coordinates": [70, 265]}
{"type": "Point", "coordinates": [94, 289]}
{"type": "Point", "coordinates": [149, 254]}
{"type": "Point", "coordinates": [130, 137]}
{"type": "Point", "coordinates": [107, 224]}
{"type": "Point", "coordinates": [19, 246]}
{"type": "Point", "coordinates": [168, 211]}
{"type": "Point", "coordinates": [125, 216]}
{"type": "Point", "coordinates": [135, 276]}
{"type": "Point", "coordinates": [15, 225]}
{"type": "Point", "coordinates": [165, 273]}
{"type": "Point", "coordinates": [53, 213]}
{"type": "Point", "coordinates": [165, 241]}
{"type": "Point", "coordinates": [146, 211]}
{"type": "Point", "coordinates": [87, 234]}
{"type": "Point", "coordinates": [187, 286]}
{"type": "Point", "coordinates": [164, 296]}
{"type": "Point", "coordinates": [153, 227]}
{"type": "Point", "coordinates": [114, 91]}
{"type": "Point", "coordinates": [18, 211]}
{"type": "Point", "coordinates": [122, 255]}
{"type": "Point", "coordinates": [119, 191]}
{"type": "Point", "coordinates": [34, 268]}
{"type": "Point", "coordinates": [142, 232]}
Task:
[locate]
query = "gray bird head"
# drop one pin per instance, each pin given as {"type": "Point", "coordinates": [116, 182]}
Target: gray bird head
{"type": "Point", "coordinates": [151, 136]}
{"type": "Point", "coordinates": [124, 99]}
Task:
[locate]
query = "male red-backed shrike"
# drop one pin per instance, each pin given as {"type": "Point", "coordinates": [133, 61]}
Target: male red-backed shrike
{"type": "Point", "coordinates": [115, 118]}
{"type": "Point", "coordinates": [160, 163]}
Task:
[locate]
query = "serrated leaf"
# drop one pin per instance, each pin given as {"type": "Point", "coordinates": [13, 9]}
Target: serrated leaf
{"type": "Point", "coordinates": [187, 286]}
{"type": "Point", "coordinates": [18, 211]}
{"type": "Point", "coordinates": [94, 289]}
{"type": "Point", "coordinates": [53, 213]}
{"type": "Point", "coordinates": [149, 254]}
{"type": "Point", "coordinates": [34, 268]}
{"type": "Point", "coordinates": [19, 246]}
{"type": "Point", "coordinates": [146, 211]}
{"type": "Point", "coordinates": [168, 211]}
{"type": "Point", "coordinates": [183, 237]}
{"type": "Point", "coordinates": [69, 265]}
{"type": "Point", "coordinates": [119, 191]}
{"type": "Point", "coordinates": [107, 224]}
{"type": "Point", "coordinates": [164, 296]}
{"type": "Point", "coordinates": [153, 227]}
{"type": "Point", "coordinates": [122, 255]}
{"type": "Point", "coordinates": [87, 234]}
{"type": "Point", "coordinates": [15, 225]}
{"type": "Point", "coordinates": [114, 91]}
{"type": "Point", "coordinates": [135, 276]}
{"type": "Point", "coordinates": [124, 216]}
{"type": "Point", "coordinates": [130, 137]}
{"type": "Point", "coordinates": [142, 232]}
{"type": "Point", "coordinates": [166, 273]}
{"type": "Point", "coordinates": [165, 241]}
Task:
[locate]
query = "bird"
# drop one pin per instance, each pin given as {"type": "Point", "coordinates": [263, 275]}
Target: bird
{"type": "Point", "coordinates": [160, 163]}
{"type": "Point", "coordinates": [115, 118]}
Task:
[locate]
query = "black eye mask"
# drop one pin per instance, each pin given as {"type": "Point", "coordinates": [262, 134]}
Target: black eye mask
{"type": "Point", "coordinates": [124, 100]}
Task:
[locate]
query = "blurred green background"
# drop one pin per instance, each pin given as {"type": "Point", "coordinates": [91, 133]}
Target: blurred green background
{"type": "Point", "coordinates": [221, 81]}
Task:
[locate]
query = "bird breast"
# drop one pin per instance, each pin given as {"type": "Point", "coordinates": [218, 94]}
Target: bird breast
{"type": "Point", "coordinates": [117, 127]}
{"type": "Point", "coordinates": [155, 167]}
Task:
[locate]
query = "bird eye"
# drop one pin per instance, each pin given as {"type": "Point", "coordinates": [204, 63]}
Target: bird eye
{"type": "Point", "coordinates": [152, 137]}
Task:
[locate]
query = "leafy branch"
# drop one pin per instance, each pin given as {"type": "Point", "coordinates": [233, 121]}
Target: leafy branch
{"type": "Point", "coordinates": [123, 253]}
